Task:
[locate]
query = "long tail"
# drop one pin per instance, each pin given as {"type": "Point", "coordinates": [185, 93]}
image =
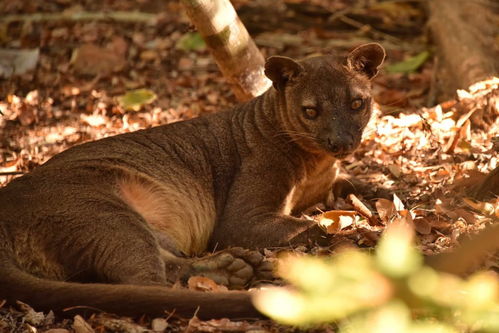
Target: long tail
{"type": "Point", "coordinates": [128, 300]}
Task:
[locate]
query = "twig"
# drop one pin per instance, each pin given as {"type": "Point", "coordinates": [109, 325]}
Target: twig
{"type": "Point", "coordinates": [387, 1]}
{"type": "Point", "coordinates": [432, 94]}
{"type": "Point", "coordinates": [339, 14]}
{"type": "Point", "coordinates": [367, 27]}
{"type": "Point", "coordinates": [124, 16]}
{"type": "Point", "coordinates": [11, 173]}
{"type": "Point", "coordinates": [361, 208]}
{"type": "Point", "coordinates": [79, 307]}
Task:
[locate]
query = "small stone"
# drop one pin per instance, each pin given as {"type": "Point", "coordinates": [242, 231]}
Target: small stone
{"type": "Point", "coordinates": [159, 324]}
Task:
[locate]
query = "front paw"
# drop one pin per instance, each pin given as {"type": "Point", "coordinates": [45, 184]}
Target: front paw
{"type": "Point", "coordinates": [235, 267]}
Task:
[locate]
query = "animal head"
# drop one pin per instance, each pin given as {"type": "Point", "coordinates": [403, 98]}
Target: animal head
{"type": "Point", "coordinates": [326, 102]}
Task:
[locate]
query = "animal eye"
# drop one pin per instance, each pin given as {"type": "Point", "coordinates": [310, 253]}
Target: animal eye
{"type": "Point", "coordinates": [310, 113]}
{"type": "Point", "coordinates": [357, 104]}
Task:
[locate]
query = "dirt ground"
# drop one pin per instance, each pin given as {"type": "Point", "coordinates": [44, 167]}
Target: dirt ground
{"type": "Point", "coordinates": [428, 151]}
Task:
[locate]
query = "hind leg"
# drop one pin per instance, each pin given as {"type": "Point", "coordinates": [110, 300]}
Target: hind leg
{"type": "Point", "coordinates": [142, 265]}
{"type": "Point", "coordinates": [116, 245]}
{"type": "Point", "coordinates": [107, 245]}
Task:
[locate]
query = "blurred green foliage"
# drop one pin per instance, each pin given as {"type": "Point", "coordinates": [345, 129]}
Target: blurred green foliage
{"type": "Point", "coordinates": [390, 291]}
{"type": "Point", "coordinates": [409, 65]}
{"type": "Point", "coordinates": [135, 99]}
{"type": "Point", "coordinates": [191, 41]}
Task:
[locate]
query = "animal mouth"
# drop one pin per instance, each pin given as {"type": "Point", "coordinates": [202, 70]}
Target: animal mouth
{"type": "Point", "coordinates": [339, 150]}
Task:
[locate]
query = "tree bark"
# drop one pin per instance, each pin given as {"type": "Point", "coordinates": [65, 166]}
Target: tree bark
{"type": "Point", "coordinates": [465, 34]}
{"type": "Point", "coordinates": [228, 40]}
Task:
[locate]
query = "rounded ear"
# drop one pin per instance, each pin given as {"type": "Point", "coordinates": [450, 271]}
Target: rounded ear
{"type": "Point", "coordinates": [282, 70]}
{"type": "Point", "coordinates": [366, 59]}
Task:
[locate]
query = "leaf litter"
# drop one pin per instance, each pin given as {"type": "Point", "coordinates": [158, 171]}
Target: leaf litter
{"type": "Point", "coordinates": [419, 165]}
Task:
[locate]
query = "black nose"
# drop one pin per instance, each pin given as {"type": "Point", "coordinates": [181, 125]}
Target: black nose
{"type": "Point", "coordinates": [340, 145]}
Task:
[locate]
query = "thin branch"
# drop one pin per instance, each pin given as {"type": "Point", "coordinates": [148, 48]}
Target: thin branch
{"type": "Point", "coordinates": [367, 28]}
{"type": "Point", "coordinates": [11, 173]}
{"type": "Point", "coordinates": [122, 16]}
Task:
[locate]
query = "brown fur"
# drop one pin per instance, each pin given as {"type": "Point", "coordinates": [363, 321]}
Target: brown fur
{"type": "Point", "coordinates": [125, 209]}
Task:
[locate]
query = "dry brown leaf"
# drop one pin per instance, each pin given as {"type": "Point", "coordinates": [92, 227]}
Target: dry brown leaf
{"type": "Point", "coordinates": [422, 226]}
{"type": "Point", "coordinates": [30, 315]}
{"type": "Point", "coordinates": [405, 217]}
{"type": "Point", "coordinates": [395, 170]}
{"type": "Point", "coordinates": [441, 225]}
{"type": "Point", "coordinates": [10, 166]}
{"type": "Point", "coordinates": [201, 283]}
{"type": "Point", "coordinates": [486, 208]}
{"type": "Point", "coordinates": [336, 220]}
{"type": "Point", "coordinates": [221, 325]}
{"type": "Point", "coordinates": [445, 208]}
{"type": "Point", "coordinates": [27, 114]}
{"type": "Point", "coordinates": [81, 326]}
{"type": "Point", "coordinates": [462, 133]}
{"type": "Point", "coordinates": [466, 215]}
{"type": "Point", "coordinates": [386, 210]}
{"type": "Point", "coordinates": [90, 59]}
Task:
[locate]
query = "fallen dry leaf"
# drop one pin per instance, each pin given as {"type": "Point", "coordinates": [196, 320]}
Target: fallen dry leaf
{"type": "Point", "coordinates": [386, 210]}
{"type": "Point", "coordinates": [486, 208]}
{"type": "Point", "coordinates": [221, 325]}
{"type": "Point", "coordinates": [201, 283]}
{"type": "Point", "coordinates": [336, 220]}
{"type": "Point", "coordinates": [422, 226]}
{"type": "Point", "coordinates": [81, 326]}
{"type": "Point", "coordinates": [404, 217]}
{"type": "Point", "coordinates": [395, 170]}
{"type": "Point", "coordinates": [90, 59]}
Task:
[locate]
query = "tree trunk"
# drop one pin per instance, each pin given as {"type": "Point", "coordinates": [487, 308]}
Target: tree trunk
{"type": "Point", "coordinates": [232, 47]}
{"type": "Point", "coordinates": [465, 34]}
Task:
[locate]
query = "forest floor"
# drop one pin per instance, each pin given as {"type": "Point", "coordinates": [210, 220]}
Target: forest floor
{"type": "Point", "coordinates": [428, 152]}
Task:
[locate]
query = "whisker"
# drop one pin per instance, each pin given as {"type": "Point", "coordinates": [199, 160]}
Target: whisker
{"type": "Point", "coordinates": [294, 134]}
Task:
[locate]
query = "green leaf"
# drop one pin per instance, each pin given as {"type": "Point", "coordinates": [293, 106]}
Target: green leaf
{"type": "Point", "coordinates": [191, 41]}
{"type": "Point", "coordinates": [134, 99]}
{"type": "Point", "coordinates": [396, 255]}
{"type": "Point", "coordinates": [409, 65]}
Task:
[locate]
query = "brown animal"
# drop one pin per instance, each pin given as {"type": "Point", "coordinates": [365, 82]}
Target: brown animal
{"type": "Point", "coordinates": [106, 224]}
